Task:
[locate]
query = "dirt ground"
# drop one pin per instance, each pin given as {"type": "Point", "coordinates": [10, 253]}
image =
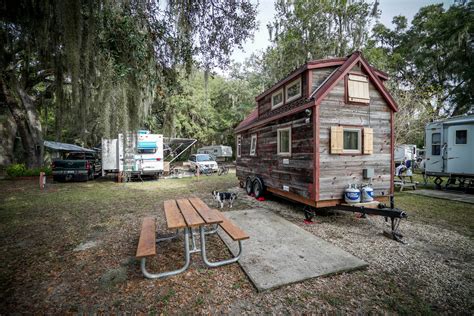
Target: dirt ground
{"type": "Point", "coordinates": [71, 248]}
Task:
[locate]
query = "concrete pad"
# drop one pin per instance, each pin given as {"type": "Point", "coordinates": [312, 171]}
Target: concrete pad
{"type": "Point", "coordinates": [453, 196]}
{"type": "Point", "coordinates": [279, 252]}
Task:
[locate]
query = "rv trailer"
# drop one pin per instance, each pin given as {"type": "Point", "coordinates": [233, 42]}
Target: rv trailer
{"type": "Point", "coordinates": [136, 154]}
{"type": "Point", "coordinates": [220, 152]}
{"type": "Point", "coordinates": [449, 151]}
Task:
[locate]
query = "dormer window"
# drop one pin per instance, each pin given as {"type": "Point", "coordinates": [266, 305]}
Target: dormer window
{"type": "Point", "coordinates": [357, 89]}
{"type": "Point", "coordinates": [277, 99]}
{"type": "Point", "coordinates": [293, 90]}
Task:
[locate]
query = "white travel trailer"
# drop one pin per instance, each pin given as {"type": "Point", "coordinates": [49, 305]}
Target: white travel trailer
{"type": "Point", "coordinates": [404, 153]}
{"type": "Point", "coordinates": [221, 152]}
{"type": "Point", "coordinates": [142, 156]}
{"type": "Point", "coordinates": [449, 145]}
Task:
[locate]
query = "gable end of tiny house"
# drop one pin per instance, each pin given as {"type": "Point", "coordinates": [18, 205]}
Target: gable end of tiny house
{"type": "Point", "coordinates": [316, 130]}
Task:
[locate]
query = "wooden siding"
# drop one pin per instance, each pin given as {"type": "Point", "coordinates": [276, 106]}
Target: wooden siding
{"type": "Point", "coordinates": [319, 75]}
{"type": "Point", "coordinates": [298, 173]}
{"type": "Point", "coordinates": [336, 171]}
{"type": "Point", "coordinates": [265, 104]}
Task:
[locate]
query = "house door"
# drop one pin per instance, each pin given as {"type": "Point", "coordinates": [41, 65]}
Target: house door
{"type": "Point", "coordinates": [460, 149]}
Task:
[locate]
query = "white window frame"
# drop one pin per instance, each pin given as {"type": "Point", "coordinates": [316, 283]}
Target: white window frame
{"type": "Point", "coordinates": [274, 106]}
{"type": "Point", "coordinates": [456, 138]}
{"type": "Point", "coordinates": [253, 146]}
{"type": "Point", "coordinates": [288, 86]}
{"type": "Point", "coordinates": [239, 146]}
{"type": "Point", "coordinates": [278, 141]}
{"type": "Point", "coordinates": [359, 140]}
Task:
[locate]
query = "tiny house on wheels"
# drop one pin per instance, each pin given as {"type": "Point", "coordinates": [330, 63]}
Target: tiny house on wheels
{"type": "Point", "coordinates": [449, 153]}
{"type": "Point", "coordinates": [327, 125]}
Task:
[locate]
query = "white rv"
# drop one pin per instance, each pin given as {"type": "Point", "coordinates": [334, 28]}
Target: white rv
{"type": "Point", "coordinates": [405, 153]}
{"type": "Point", "coordinates": [449, 148]}
{"type": "Point", "coordinates": [142, 154]}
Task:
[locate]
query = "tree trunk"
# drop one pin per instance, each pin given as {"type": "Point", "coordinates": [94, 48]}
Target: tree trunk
{"type": "Point", "coordinates": [7, 136]}
{"type": "Point", "coordinates": [27, 121]}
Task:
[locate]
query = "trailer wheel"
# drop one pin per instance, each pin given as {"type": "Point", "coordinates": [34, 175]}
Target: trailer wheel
{"type": "Point", "coordinates": [249, 186]}
{"type": "Point", "coordinates": [258, 188]}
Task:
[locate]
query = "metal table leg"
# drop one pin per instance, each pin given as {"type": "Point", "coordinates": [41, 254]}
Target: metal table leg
{"type": "Point", "coordinates": [170, 273]}
{"type": "Point", "coordinates": [218, 263]}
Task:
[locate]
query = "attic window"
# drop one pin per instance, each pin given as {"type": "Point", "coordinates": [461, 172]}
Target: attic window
{"type": "Point", "coordinates": [357, 89]}
{"type": "Point", "coordinates": [277, 99]}
{"type": "Point", "coordinates": [293, 90]}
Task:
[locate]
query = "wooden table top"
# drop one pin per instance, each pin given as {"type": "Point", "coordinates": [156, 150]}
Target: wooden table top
{"type": "Point", "coordinates": [190, 212]}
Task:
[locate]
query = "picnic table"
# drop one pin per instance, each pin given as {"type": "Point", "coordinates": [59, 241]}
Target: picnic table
{"type": "Point", "coordinates": [192, 217]}
{"type": "Point", "coordinates": [405, 181]}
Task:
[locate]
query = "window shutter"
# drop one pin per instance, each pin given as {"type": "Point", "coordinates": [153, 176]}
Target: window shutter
{"type": "Point", "coordinates": [336, 139]}
{"type": "Point", "coordinates": [368, 141]}
{"type": "Point", "coordinates": [358, 89]}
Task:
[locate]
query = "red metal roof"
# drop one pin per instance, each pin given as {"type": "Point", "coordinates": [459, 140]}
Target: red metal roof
{"type": "Point", "coordinates": [249, 119]}
{"type": "Point", "coordinates": [345, 65]}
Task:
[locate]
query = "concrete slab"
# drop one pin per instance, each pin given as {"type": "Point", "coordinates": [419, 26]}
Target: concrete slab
{"type": "Point", "coordinates": [453, 196]}
{"type": "Point", "coordinates": [279, 252]}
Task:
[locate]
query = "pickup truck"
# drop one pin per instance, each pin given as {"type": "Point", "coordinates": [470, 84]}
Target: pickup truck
{"type": "Point", "coordinates": [77, 166]}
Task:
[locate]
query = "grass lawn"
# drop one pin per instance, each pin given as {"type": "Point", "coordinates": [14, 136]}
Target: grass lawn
{"type": "Point", "coordinates": [71, 248]}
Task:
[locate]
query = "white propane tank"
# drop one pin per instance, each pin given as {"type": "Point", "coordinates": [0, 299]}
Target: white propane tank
{"type": "Point", "coordinates": [367, 193]}
{"type": "Point", "coordinates": [352, 194]}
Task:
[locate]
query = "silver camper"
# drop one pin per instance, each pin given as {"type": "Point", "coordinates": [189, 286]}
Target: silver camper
{"type": "Point", "coordinates": [449, 145]}
{"type": "Point", "coordinates": [220, 152]}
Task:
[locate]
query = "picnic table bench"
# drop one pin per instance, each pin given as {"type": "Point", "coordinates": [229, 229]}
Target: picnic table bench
{"type": "Point", "coordinates": [188, 215]}
{"type": "Point", "coordinates": [401, 182]}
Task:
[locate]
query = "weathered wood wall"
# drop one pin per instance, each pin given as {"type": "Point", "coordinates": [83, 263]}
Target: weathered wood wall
{"type": "Point", "coordinates": [319, 75]}
{"type": "Point", "coordinates": [298, 173]}
{"type": "Point", "coordinates": [336, 171]}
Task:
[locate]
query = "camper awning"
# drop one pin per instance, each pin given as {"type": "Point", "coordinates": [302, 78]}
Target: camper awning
{"type": "Point", "coordinates": [66, 147]}
{"type": "Point", "coordinates": [146, 145]}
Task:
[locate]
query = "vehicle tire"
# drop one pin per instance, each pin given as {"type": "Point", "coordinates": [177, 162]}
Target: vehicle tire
{"type": "Point", "coordinates": [249, 186]}
{"type": "Point", "coordinates": [258, 188]}
{"type": "Point", "coordinates": [220, 171]}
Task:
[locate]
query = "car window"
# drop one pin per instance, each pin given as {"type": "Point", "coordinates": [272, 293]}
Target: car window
{"type": "Point", "coordinates": [204, 158]}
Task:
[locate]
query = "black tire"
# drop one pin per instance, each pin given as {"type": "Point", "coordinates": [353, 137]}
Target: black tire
{"type": "Point", "coordinates": [249, 186]}
{"type": "Point", "coordinates": [258, 188]}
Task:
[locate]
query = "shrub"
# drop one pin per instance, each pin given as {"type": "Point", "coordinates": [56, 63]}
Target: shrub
{"type": "Point", "coordinates": [20, 170]}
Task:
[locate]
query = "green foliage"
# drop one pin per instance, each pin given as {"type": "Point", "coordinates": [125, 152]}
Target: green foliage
{"type": "Point", "coordinates": [20, 170]}
{"type": "Point", "coordinates": [305, 30]}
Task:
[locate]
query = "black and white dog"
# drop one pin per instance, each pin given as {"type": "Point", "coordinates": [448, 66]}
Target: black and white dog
{"type": "Point", "coordinates": [222, 197]}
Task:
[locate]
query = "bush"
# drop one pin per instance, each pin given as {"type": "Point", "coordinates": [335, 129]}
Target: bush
{"type": "Point", "coordinates": [20, 170]}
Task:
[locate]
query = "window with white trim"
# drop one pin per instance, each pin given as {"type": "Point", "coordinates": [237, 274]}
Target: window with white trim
{"type": "Point", "coordinates": [461, 137]}
{"type": "Point", "coordinates": [357, 89]}
{"type": "Point", "coordinates": [284, 141]}
{"type": "Point", "coordinates": [351, 140]}
{"type": "Point", "coordinates": [253, 145]}
{"type": "Point", "coordinates": [293, 90]}
{"type": "Point", "coordinates": [239, 145]}
{"type": "Point", "coordinates": [277, 99]}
